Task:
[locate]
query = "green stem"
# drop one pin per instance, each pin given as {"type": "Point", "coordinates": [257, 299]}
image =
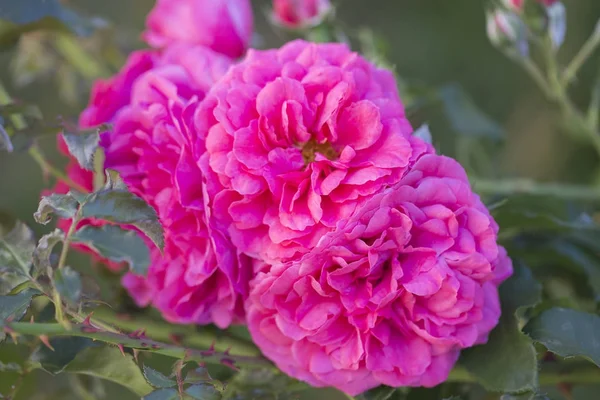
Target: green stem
{"type": "Point", "coordinates": [586, 51]}
{"type": "Point", "coordinates": [17, 119]}
{"type": "Point", "coordinates": [38, 157]}
{"type": "Point", "coordinates": [135, 342]}
{"type": "Point", "coordinates": [72, 51]}
{"type": "Point", "coordinates": [188, 336]}
{"type": "Point", "coordinates": [526, 186]}
{"type": "Point", "coordinates": [549, 375]}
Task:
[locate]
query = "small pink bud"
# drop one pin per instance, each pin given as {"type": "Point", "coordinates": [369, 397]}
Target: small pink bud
{"type": "Point", "coordinates": [508, 32]}
{"type": "Point", "coordinates": [300, 13]}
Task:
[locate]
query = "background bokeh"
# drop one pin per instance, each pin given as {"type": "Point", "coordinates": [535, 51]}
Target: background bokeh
{"type": "Point", "coordinates": [431, 42]}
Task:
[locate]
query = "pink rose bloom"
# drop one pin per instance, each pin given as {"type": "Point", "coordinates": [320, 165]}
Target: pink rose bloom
{"type": "Point", "coordinates": [201, 278]}
{"type": "Point", "coordinates": [391, 296]}
{"type": "Point", "coordinates": [293, 140]}
{"type": "Point", "coordinates": [223, 25]}
{"type": "Point", "coordinates": [300, 13]}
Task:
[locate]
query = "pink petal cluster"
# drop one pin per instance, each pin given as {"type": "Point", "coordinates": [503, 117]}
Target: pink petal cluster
{"type": "Point", "coordinates": [201, 278]}
{"type": "Point", "coordinates": [293, 140]}
{"type": "Point", "coordinates": [223, 25]}
{"type": "Point", "coordinates": [300, 13]}
{"type": "Point", "coordinates": [393, 294]}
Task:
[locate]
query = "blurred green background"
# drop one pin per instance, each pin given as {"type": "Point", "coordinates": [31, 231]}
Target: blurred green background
{"type": "Point", "coordinates": [432, 42]}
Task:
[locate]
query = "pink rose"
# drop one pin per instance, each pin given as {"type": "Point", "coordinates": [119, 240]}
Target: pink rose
{"type": "Point", "coordinates": [293, 140]}
{"type": "Point", "coordinates": [223, 25]}
{"type": "Point", "coordinates": [299, 13]}
{"type": "Point", "coordinates": [201, 278]}
{"type": "Point", "coordinates": [391, 296]}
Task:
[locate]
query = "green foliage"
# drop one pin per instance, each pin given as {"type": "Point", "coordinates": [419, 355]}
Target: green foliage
{"type": "Point", "coordinates": [203, 391]}
{"type": "Point", "coordinates": [116, 244]}
{"type": "Point", "coordinates": [514, 366]}
{"type": "Point", "coordinates": [464, 115]}
{"type": "Point", "coordinates": [379, 393]}
{"type": "Point", "coordinates": [157, 379]}
{"type": "Point", "coordinates": [567, 333]}
{"type": "Point", "coordinates": [13, 307]}
{"type": "Point", "coordinates": [19, 17]}
{"type": "Point", "coordinates": [116, 204]}
{"type": "Point", "coordinates": [83, 147]}
{"type": "Point", "coordinates": [43, 251]}
{"type": "Point", "coordinates": [63, 205]}
{"type": "Point", "coordinates": [163, 394]}
{"type": "Point", "coordinates": [16, 249]}
{"type": "Point", "coordinates": [68, 284]}
{"type": "Point", "coordinates": [62, 352]}
{"type": "Point", "coordinates": [108, 363]}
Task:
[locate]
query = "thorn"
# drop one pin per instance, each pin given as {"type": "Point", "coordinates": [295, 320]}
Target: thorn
{"type": "Point", "coordinates": [210, 351]}
{"type": "Point", "coordinates": [138, 334]}
{"type": "Point", "coordinates": [187, 355]}
{"type": "Point", "coordinates": [14, 336]}
{"type": "Point", "coordinates": [136, 352]}
{"type": "Point", "coordinates": [226, 352]}
{"type": "Point", "coordinates": [228, 362]}
{"type": "Point", "coordinates": [155, 346]}
{"type": "Point", "coordinates": [176, 338]}
{"type": "Point", "coordinates": [121, 348]}
{"type": "Point", "coordinates": [89, 329]}
{"type": "Point", "coordinates": [87, 321]}
{"type": "Point", "coordinates": [44, 339]}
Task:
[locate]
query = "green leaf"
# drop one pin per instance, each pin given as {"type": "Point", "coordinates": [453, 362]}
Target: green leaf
{"type": "Point", "coordinates": [508, 362]}
{"type": "Point", "coordinates": [10, 367]}
{"type": "Point", "coordinates": [14, 307]}
{"type": "Point", "coordinates": [157, 379]}
{"type": "Point", "coordinates": [379, 393]}
{"type": "Point", "coordinates": [65, 351]}
{"type": "Point", "coordinates": [162, 394]}
{"type": "Point", "coordinates": [83, 147]}
{"type": "Point", "coordinates": [63, 205]}
{"type": "Point", "coordinates": [567, 333]}
{"type": "Point", "coordinates": [115, 203]}
{"type": "Point", "coordinates": [43, 251]}
{"type": "Point", "coordinates": [464, 116]}
{"type": "Point", "coordinates": [16, 249]}
{"type": "Point", "coordinates": [116, 244]}
{"type": "Point", "coordinates": [108, 363]}
{"type": "Point", "coordinates": [68, 284]}
{"type": "Point", "coordinates": [203, 391]}
{"type": "Point", "coordinates": [5, 142]}
{"type": "Point", "coordinates": [19, 17]}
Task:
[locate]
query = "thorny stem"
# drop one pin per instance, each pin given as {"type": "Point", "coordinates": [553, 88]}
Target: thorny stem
{"type": "Point", "coordinates": [186, 335]}
{"type": "Point", "coordinates": [137, 341]}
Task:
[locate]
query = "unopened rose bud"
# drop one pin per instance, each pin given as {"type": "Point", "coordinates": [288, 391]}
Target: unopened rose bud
{"type": "Point", "coordinates": [507, 32]}
{"type": "Point", "coordinates": [298, 14]}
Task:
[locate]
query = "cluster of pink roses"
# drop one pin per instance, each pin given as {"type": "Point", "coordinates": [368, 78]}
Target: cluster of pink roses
{"type": "Point", "coordinates": [296, 200]}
